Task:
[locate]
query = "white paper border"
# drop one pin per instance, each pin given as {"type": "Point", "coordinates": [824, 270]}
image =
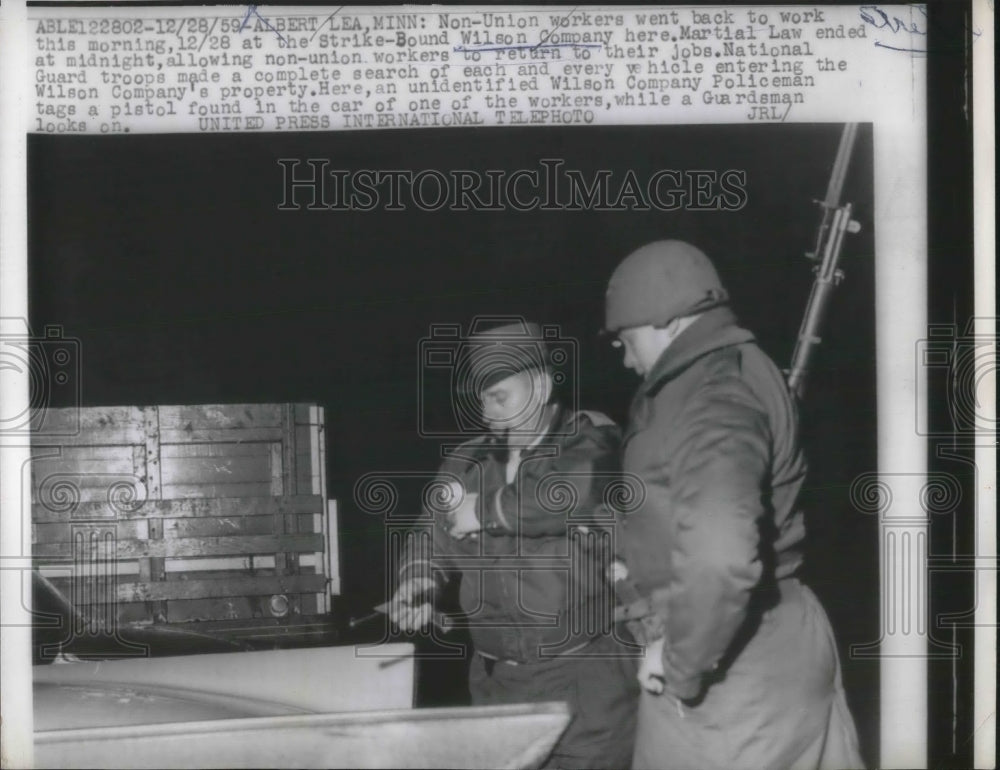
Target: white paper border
{"type": "Point", "coordinates": [901, 273]}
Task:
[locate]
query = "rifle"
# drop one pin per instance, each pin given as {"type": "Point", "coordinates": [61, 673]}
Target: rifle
{"type": "Point", "coordinates": [834, 222]}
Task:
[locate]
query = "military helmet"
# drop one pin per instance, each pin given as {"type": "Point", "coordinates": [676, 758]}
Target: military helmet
{"type": "Point", "coordinates": [659, 282]}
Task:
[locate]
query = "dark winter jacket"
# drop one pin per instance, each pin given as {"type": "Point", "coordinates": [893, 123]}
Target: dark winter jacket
{"type": "Point", "coordinates": [534, 583]}
{"type": "Point", "coordinates": [712, 436]}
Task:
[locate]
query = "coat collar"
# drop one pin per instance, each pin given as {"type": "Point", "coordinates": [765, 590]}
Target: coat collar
{"type": "Point", "coordinates": [555, 419]}
{"type": "Point", "coordinates": [715, 330]}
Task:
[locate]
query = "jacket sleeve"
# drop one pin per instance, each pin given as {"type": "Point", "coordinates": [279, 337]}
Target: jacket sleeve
{"type": "Point", "coordinates": [422, 553]}
{"type": "Point", "coordinates": [718, 500]}
{"type": "Point", "coordinates": [556, 483]}
{"type": "Point", "coordinates": [426, 549]}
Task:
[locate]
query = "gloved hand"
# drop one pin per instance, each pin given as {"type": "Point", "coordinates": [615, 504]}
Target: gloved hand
{"type": "Point", "coordinates": [651, 675]}
{"type": "Point", "coordinates": [464, 520]}
{"type": "Point", "coordinates": [617, 571]}
{"type": "Point", "coordinates": [411, 606]}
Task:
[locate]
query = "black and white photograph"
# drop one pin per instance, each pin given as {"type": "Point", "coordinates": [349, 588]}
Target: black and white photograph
{"type": "Point", "coordinates": [434, 444]}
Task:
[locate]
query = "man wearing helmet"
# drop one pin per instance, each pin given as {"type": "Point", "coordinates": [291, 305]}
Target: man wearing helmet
{"type": "Point", "coordinates": [746, 672]}
{"type": "Point", "coordinates": [531, 582]}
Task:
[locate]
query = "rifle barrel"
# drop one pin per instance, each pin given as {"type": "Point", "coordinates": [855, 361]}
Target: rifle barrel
{"type": "Point", "coordinates": [840, 165]}
{"type": "Point", "coordinates": [834, 222]}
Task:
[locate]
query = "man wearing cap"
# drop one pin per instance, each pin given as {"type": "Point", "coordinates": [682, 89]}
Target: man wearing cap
{"type": "Point", "coordinates": [523, 534]}
{"type": "Point", "coordinates": [745, 673]}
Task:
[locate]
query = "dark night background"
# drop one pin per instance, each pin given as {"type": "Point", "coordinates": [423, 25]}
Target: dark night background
{"type": "Point", "coordinates": [167, 257]}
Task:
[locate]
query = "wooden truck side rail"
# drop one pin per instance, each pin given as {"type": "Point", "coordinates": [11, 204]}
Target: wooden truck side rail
{"type": "Point", "coordinates": [174, 515]}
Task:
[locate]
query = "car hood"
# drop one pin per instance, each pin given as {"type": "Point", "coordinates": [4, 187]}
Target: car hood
{"type": "Point", "coordinates": [61, 706]}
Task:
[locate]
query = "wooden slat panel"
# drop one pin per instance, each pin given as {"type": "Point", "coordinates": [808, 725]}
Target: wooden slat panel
{"type": "Point", "coordinates": [303, 458]}
{"type": "Point", "coordinates": [98, 425]}
{"type": "Point", "coordinates": [317, 418]}
{"type": "Point", "coordinates": [332, 550]}
{"type": "Point", "coordinates": [306, 625]}
{"type": "Point", "coordinates": [62, 571]}
{"type": "Point", "coordinates": [157, 568]}
{"type": "Point", "coordinates": [192, 507]}
{"type": "Point", "coordinates": [178, 424]}
{"type": "Point", "coordinates": [61, 532]}
{"type": "Point", "coordinates": [307, 522]}
{"type": "Point", "coordinates": [195, 546]}
{"type": "Point", "coordinates": [89, 478]}
{"type": "Point", "coordinates": [200, 416]}
{"type": "Point", "coordinates": [275, 462]}
{"type": "Point", "coordinates": [236, 629]}
{"type": "Point", "coordinates": [68, 586]}
{"type": "Point", "coordinates": [219, 435]}
{"type": "Point", "coordinates": [249, 489]}
{"type": "Point", "coordinates": [222, 608]}
{"type": "Point", "coordinates": [318, 459]}
{"type": "Point", "coordinates": [288, 560]}
{"type": "Point", "coordinates": [254, 607]}
{"type": "Point", "coordinates": [83, 473]}
{"type": "Point", "coordinates": [222, 613]}
{"type": "Point", "coordinates": [233, 570]}
{"type": "Point", "coordinates": [242, 449]}
{"type": "Point", "coordinates": [106, 459]}
{"type": "Point", "coordinates": [222, 525]}
{"type": "Point", "coordinates": [207, 589]}
{"type": "Point", "coordinates": [168, 590]}
{"type": "Point", "coordinates": [216, 470]}
{"type": "Point", "coordinates": [219, 568]}
{"type": "Point", "coordinates": [91, 498]}
{"type": "Point", "coordinates": [193, 610]}
{"type": "Point", "coordinates": [139, 461]}
{"type": "Point", "coordinates": [151, 426]}
{"type": "Point", "coordinates": [288, 465]}
{"type": "Point", "coordinates": [259, 564]}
